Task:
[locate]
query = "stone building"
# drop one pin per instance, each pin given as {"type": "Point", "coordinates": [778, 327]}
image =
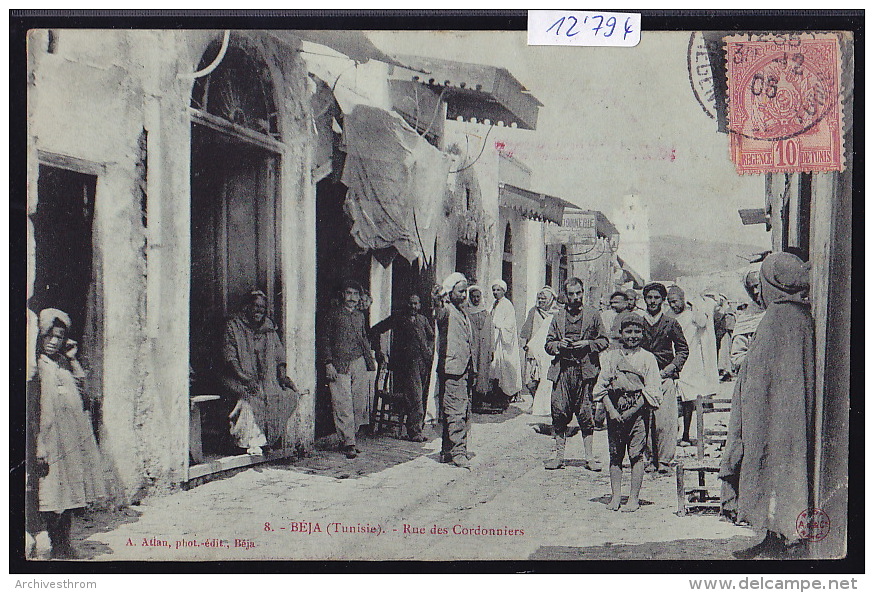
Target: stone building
{"type": "Point", "coordinates": [170, 172]}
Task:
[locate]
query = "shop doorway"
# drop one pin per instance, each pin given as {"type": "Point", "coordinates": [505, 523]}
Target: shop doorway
{"type": "Point", "coordinates": [65, 276]}
{"type": "Point", "coordinates": [235, 148]}
{"type": "Point", "coordinates": [507, 261]}
{"type": "Point", "coordinates": [338, 258]}
{"type": "Point", "coordinates": [234, 237]}
{"type": "Point", "coordinates": [62, 228]}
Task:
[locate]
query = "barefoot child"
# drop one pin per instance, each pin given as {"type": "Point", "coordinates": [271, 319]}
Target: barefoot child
{"type": "Point", "coordinates": [629, 385]}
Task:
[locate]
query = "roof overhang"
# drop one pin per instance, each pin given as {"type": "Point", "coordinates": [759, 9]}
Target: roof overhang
{"type": "Point", "coordinates": [753, 216]}
{"type": "Point", "coordinates": [473, 91]}
{"type": "Point", "coordinates": [629, 275]}
{"type": "Point", "coordinates": [352, 44]}
{"type": "Point", "coordinates": [532, 205]}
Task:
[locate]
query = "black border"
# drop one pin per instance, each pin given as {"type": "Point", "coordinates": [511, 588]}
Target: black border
{"type": "Point", "coordinates": [652, 20]}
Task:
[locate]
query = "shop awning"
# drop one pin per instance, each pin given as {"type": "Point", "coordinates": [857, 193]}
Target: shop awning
{"type": "Point", "coordinates": [532, 205]}
{"type": "Point", "coordinates": [753, 216]}
{"type": "Point", "coordinates": [353, 44]}
{"type": "Point", "coordinates": [605, 228]}
{"type": "Point", "coordinates": [473, 91]}
{"type": "Point", "coordinates": [629, 275]}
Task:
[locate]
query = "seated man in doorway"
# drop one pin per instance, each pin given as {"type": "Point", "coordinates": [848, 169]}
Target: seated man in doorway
{"type": "Point", "coordinates": [344, 349]}
{"type": "Point", "coordinates": [255, 372]}
{"type": "Point", "coordinates": [412, 347]}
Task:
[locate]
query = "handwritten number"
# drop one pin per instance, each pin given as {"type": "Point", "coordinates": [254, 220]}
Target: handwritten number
{"type": "Point", "coordinates": [608, 23]}
{"type": "Point", "coordinates": [559, 22]}
{"type": "Point", "coordinates": [600, 23]}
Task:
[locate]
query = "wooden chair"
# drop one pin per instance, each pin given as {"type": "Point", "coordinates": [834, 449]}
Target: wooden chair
{"type": "Point", "coordinates": [386, 411]}
{"type": "Point", "coordinates": [702, 495]}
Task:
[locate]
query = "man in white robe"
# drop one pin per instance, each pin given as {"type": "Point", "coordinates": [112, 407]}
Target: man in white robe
{"type": "Point", "coordinates": [506, 368]}
{"type": "Point", "coordinates": [699, 375]}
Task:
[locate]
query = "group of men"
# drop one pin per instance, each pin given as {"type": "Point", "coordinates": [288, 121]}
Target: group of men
{"type": "Point", "coordinates": [577, 336]}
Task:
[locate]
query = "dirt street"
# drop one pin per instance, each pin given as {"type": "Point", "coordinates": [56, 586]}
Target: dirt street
{"type": "Point", "coordinates": [397, 502]}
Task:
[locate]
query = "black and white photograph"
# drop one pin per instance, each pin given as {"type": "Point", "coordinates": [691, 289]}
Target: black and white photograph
{"type": "Point", "coordinates": [385, 292]}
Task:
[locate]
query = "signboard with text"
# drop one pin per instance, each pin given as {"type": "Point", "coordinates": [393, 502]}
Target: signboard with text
{"type": "Point", "coordinates": [577, 228]}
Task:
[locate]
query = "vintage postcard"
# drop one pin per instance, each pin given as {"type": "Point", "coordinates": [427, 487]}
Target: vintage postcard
{"type": "Point", "coordinates": [310, 294]}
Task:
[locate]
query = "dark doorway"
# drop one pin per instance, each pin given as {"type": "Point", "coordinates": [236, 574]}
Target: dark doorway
{"type": "Point", "coordinates": [234, 237]}
{"type": "Point", "coordinates": [338, 258]}
{"type": "Point", "coordinates": [62, 228]}
{"type": "Point", "coordinates": [507, 261]}
{"type": "Point", "coordinates": [408, 278]}
{"type": "Point", "coordinates": [465, 261]}
{"type": "Point", "coordinates": [563, 268]}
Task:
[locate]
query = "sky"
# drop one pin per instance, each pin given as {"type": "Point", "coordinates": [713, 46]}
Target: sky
{"type": "Point", "coordinates": [615, 121]}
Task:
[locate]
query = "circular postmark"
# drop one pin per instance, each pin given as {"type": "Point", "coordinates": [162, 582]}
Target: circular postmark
{"type": "Point", "coordinates": [780, 89]}
{"type": "Point", "coordinates": [701, 73]}
{"type": "Point", "coordinates": [813, 524]}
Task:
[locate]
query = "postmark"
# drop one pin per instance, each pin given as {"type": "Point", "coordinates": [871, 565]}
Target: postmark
{"type": "Point", "coordinates": [784, 103]}
{"type": "Point", "coordinates": [701, 73]}
{"type": "Point", "coordinates": [813, 524]}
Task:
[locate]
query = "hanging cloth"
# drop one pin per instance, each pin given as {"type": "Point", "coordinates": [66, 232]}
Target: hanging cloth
{"type": "Point", "coordinates": [396, 183]}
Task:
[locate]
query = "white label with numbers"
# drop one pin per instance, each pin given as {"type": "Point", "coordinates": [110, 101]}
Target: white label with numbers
{"type": "Point", "coordinates": [585, 28]}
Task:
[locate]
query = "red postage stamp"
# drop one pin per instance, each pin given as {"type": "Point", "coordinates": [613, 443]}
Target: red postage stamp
{"type": "Point", "coordinates": [784, 102]}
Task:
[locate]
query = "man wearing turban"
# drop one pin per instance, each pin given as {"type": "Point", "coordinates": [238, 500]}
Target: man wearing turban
{"type": "Point", "coordinates": [456, 369]}
{"type": "Point", "coordinates": [506, 368]}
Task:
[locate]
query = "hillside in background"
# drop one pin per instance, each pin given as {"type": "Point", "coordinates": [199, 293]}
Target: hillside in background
{"type": "Point", "coordinates": [672, 257]}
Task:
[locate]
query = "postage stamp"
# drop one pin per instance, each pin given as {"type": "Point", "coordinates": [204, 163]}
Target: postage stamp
{"type": "Point", "coordinates": [784, 100]}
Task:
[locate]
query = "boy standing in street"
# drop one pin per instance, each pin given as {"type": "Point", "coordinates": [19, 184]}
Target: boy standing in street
{"type": "Point", "coordinates": [629, 386]}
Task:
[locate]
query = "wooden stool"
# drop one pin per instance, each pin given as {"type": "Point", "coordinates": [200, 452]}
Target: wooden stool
{"type": "Point", "coordinates": [700, 496]}
{"type": "Point", "coordinates": [195, 428]}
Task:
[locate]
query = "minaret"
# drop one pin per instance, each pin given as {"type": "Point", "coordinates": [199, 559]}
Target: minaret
{"type": "Point", "coordinates": [632, 221]}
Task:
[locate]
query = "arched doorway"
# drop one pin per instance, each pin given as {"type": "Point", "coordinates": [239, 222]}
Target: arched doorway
{"type": "Point", "coordinates": [234, 221]}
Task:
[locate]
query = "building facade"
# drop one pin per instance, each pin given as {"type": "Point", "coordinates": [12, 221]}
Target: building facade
{"type": "Point", "coordinates": [171, 172]}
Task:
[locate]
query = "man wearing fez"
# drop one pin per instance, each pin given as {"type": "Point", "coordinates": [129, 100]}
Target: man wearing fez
{"type": "Point", "coordinates": [664, 338]}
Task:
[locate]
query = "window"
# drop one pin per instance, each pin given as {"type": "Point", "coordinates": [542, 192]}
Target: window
{"type": "Point", "coordinates": [238, 91]}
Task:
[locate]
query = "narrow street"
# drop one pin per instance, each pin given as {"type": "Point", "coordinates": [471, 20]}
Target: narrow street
{"type": "Point", "coordinates": [327, 507]}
